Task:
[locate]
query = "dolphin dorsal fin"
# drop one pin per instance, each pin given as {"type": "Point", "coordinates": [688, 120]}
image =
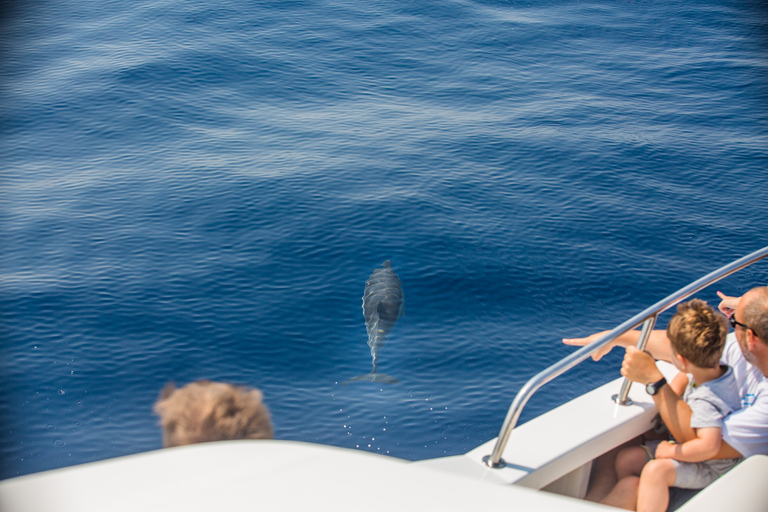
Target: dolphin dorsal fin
{"type": "Point", "coordinates": [387, 264]}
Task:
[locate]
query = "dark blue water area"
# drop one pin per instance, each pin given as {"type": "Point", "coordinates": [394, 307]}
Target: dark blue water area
{"type": "Point", "coordinates": [201, 189]}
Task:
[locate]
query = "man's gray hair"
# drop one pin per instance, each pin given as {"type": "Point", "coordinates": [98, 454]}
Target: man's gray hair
{"type": "Point", "coordinates": [756, 313]}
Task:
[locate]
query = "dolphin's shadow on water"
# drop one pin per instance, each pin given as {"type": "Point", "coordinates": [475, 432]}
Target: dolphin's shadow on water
{"type": "Point", "coordinates": [382, 306]}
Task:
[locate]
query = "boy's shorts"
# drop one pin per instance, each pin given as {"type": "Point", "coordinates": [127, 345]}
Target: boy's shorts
{"type": "Point", "coordinates": [650, 448]}
{"type": "Point", "coordinates": [693, 475]}
{"type": "Point", "coordinates": [696, 475]}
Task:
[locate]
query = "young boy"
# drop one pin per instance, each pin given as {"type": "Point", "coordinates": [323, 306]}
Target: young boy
{"type": "Point", "coordinates": [697, 334]}
{"type": "Point", "coordinates": [205, 411]}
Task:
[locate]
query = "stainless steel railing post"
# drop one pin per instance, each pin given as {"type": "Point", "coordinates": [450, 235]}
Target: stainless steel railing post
{"type": "Point", "coordinates": [622, 398]}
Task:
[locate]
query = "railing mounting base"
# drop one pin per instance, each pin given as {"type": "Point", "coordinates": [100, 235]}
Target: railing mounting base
{"type": "Point", "coordinates": [493, 465]}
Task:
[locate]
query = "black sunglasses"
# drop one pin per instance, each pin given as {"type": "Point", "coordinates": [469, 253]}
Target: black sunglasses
{"type": "Point", "coordinates": [734, 323]}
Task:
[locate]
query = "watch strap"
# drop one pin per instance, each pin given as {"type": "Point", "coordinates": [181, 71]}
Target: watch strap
{"type": "Point", "coordinates": [654, 387]}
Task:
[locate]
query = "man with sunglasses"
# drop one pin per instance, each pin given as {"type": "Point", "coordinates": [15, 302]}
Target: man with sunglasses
{"type": "Point", "coordinates": [745, 432]}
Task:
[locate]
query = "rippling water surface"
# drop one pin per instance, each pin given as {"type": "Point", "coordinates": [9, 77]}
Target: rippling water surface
{"type": "Point", "coordinates": [200, 190]}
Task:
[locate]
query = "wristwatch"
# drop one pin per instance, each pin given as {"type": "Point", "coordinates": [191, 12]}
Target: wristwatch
{"type": "Point", "coordinates": [654, 387]}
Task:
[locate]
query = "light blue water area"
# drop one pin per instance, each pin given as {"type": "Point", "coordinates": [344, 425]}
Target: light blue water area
{"type": "Point", "coordinates": [200, 190]}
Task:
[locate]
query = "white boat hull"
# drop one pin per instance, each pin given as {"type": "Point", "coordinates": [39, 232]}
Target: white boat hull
{"type": "Point", "coordinates": [552, 452]}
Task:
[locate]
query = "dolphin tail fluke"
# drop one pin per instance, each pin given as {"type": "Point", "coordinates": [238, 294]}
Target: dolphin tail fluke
{"type": "Point", "coordinates": [373, 377]}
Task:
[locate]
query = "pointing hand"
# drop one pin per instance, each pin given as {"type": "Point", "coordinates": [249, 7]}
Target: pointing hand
{"type": "Point", "coordinates": [580, 342]}
{"type": "Point", "coordinates": [727, 304]}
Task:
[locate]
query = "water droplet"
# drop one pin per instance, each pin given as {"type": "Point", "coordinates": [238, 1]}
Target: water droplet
{"type": "Point", "coordinates": [50, 427]}
{"type": "Point", "coordinates": [59, 443]}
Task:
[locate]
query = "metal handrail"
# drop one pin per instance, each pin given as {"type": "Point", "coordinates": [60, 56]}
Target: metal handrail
{"type": "Point", "coordinates": [647, 318]}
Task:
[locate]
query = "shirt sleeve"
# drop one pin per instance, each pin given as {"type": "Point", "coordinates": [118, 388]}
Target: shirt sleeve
{"type": "Point", "coordinates": [704, 414]}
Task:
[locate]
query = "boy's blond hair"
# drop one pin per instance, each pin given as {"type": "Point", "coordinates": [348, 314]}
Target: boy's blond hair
{"type": "Point", "coordinates": [206, 411]}
{"type": "Point", "coordinates": [697, 332]}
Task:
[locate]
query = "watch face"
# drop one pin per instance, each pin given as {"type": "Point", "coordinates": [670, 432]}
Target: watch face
{"type": "Point", "coordinates": [654, 387]}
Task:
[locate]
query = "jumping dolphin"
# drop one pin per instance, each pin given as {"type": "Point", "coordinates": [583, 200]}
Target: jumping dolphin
{"type": "Point", "coordinates": [382, 306]}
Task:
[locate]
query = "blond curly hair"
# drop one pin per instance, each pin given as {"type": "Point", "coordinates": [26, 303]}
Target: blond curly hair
{"type": "Point", "coordinates": [205, 411]}
{"type": "Point", "coordinates": [697, 332]}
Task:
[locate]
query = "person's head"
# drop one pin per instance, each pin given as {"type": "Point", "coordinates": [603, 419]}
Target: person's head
{"type": "Point", "coordinates": [697, 333]}
{"type": "Point", "coordinates": [751, 325]}
{"type": "Point", "coordinates": [206, 411]}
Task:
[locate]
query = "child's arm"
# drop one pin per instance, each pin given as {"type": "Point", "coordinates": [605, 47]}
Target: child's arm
{"type": "Point", "coordinates": [704, 447]}
{"type": "Point", "coordinates": [679, 383]}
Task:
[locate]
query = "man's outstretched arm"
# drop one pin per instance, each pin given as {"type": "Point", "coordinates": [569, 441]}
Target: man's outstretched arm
{"type": "Point", "coordinates": [658, 343]}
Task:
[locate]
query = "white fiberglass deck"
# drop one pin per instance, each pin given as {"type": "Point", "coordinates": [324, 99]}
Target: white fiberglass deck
{"type": "Point", "coordinates": [287, 475]}
{"type": "Point", "coordinates": [263, 475]}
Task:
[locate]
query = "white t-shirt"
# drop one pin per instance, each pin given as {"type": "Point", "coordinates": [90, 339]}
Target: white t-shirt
{"type": "Point", "coordinates": [746, 430]}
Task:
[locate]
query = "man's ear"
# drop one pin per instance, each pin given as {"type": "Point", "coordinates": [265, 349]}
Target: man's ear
{"type": "Point", "coordinates": [683, 361]}
{"type": "Point", "coordinates": [753, 342]}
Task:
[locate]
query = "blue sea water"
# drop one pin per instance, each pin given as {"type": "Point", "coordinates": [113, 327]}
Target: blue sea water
{"type": "Point", "coordinates": [199, 189]}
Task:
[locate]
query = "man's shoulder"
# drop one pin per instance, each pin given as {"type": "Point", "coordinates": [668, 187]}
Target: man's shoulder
{"type": "Point", "coordinates": [748, 377]}
{"type": "Point", "coordinates": [732, 354]}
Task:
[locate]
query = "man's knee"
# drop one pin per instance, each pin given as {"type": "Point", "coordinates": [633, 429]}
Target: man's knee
{"type": "Point", "coordinates": [630, 461]}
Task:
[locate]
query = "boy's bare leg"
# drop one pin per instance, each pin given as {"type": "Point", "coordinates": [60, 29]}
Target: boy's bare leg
{"type": "Point", "coordinates": [653, 494]}
{"type": "Point", "coordinates": [624, 494]}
